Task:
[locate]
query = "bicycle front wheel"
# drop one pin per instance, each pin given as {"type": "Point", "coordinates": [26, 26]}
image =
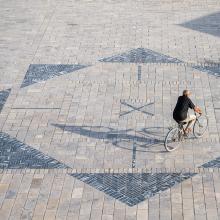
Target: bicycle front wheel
{"type": "Point", "coordinates": [173, 139]}
{"type": "Point", "coordinates": [200, 126]}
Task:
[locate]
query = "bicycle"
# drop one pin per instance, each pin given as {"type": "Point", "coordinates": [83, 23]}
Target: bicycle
{"type": "Point", "coordinates": [176, 135]}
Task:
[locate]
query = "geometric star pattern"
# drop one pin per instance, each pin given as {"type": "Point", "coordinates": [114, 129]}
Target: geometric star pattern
{"type": "Point", "coordinates": [129, 188]}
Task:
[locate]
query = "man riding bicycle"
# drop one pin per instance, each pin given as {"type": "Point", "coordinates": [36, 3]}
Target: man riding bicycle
{"type": "Point", "coordinates": [180, 113]}
{"type": "Point", "coordinates": [175, 135]}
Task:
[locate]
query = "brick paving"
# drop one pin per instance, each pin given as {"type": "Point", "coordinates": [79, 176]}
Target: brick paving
{"type": "Point", "coordinates": [87, 90]}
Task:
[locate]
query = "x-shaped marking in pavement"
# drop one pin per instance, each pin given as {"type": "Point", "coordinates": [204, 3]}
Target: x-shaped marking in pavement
{"type": "Point", "coordinates": [136, 109]}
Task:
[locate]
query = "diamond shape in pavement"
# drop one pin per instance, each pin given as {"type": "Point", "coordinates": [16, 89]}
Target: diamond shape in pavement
{"type": "Point", "coordinates": [212, 69]}
{"type": "Point", "coordinates": [41, 72]}
{"type": "Point", "coordinates": [209, 24]}
{"type": "Point", "coordinates": [212, 163]}
{"type": "Point", "coordinates": [3, 97]}
{"type": "Point", "coordinates": [141, 55]}
{"type": "Point", "coordinates": [15, 154]}
{"type": "Point", "coordinates": [132, 188]}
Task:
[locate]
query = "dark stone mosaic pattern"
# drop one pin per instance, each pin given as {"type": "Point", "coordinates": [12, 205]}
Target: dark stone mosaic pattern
{"type": "Point", "coordinates": [41, 72]}
{"type": "Point", "coordinates": [132, 188]}
{"type": "Point", "coordinates": [17, 155]}
{"type": "Point", "coordinates": [3, 97]}
{"type": "Point", "coordinates": [139, 73]}
{"type": "Point", "coordinates": [212, 70]}
{"type": "Point", "coordinates": [141, 55]}
{"type": "Point", "coordinates": [209, 24]}
{"type": "Point", "coordinates": [212, 164]}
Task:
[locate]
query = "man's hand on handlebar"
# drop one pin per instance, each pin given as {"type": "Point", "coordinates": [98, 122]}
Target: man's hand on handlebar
{"type": "Point", "coordinates": [198, 110]}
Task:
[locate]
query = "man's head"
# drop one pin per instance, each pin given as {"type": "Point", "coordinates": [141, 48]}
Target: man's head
{"type": "Point", "coordinates": [186, 92]}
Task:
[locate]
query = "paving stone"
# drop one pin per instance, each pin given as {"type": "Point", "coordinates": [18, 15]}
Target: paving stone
{"type": "Point", "coordinates": [142, 214]}
{"type": "Point", "coordinates": [96, 214]}
{"type": "Point", "coordinates": [36, 182]}
{"type": "Point", "coordinates": [107, 217]}
{"type": "Point", "coordinates": [50, 214]}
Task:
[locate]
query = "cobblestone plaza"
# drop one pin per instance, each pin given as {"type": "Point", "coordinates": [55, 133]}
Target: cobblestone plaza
{"type": "Point", "coordinates": [87, 91]}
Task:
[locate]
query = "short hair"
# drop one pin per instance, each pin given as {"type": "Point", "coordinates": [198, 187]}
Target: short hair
{"type": "Point", "coordinates": [186, 92]}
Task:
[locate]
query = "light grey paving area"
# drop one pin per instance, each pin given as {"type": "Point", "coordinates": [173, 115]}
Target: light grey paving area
{"type": "Point", "coordinates": [87, 90]}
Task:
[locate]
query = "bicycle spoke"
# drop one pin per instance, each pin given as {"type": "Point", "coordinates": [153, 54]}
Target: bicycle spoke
{"type": "Point", "coordinates": [173, 139]}
{"type": "Point", "coordinates": [200, 126]}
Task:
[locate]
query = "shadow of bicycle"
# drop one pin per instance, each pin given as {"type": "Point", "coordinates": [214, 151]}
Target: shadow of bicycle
{"type": "Point", "coordinates": [146, 140]}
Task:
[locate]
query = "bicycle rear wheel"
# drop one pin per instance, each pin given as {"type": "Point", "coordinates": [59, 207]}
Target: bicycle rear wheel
{"type": "Point", "coordinates": [200, 126]}
{"type": "Point", "coordinates": [173, 139]}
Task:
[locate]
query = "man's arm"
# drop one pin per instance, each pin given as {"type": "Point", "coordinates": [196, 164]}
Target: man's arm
{"type": "Point", "coordinates": [195, 108]}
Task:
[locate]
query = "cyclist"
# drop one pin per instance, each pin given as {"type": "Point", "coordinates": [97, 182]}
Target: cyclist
{"type": "Point", "coordinates": [180, 113]}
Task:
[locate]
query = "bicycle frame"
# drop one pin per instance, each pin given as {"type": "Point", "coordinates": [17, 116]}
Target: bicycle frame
{"type": "Point", "coordinates": [182, 132]}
